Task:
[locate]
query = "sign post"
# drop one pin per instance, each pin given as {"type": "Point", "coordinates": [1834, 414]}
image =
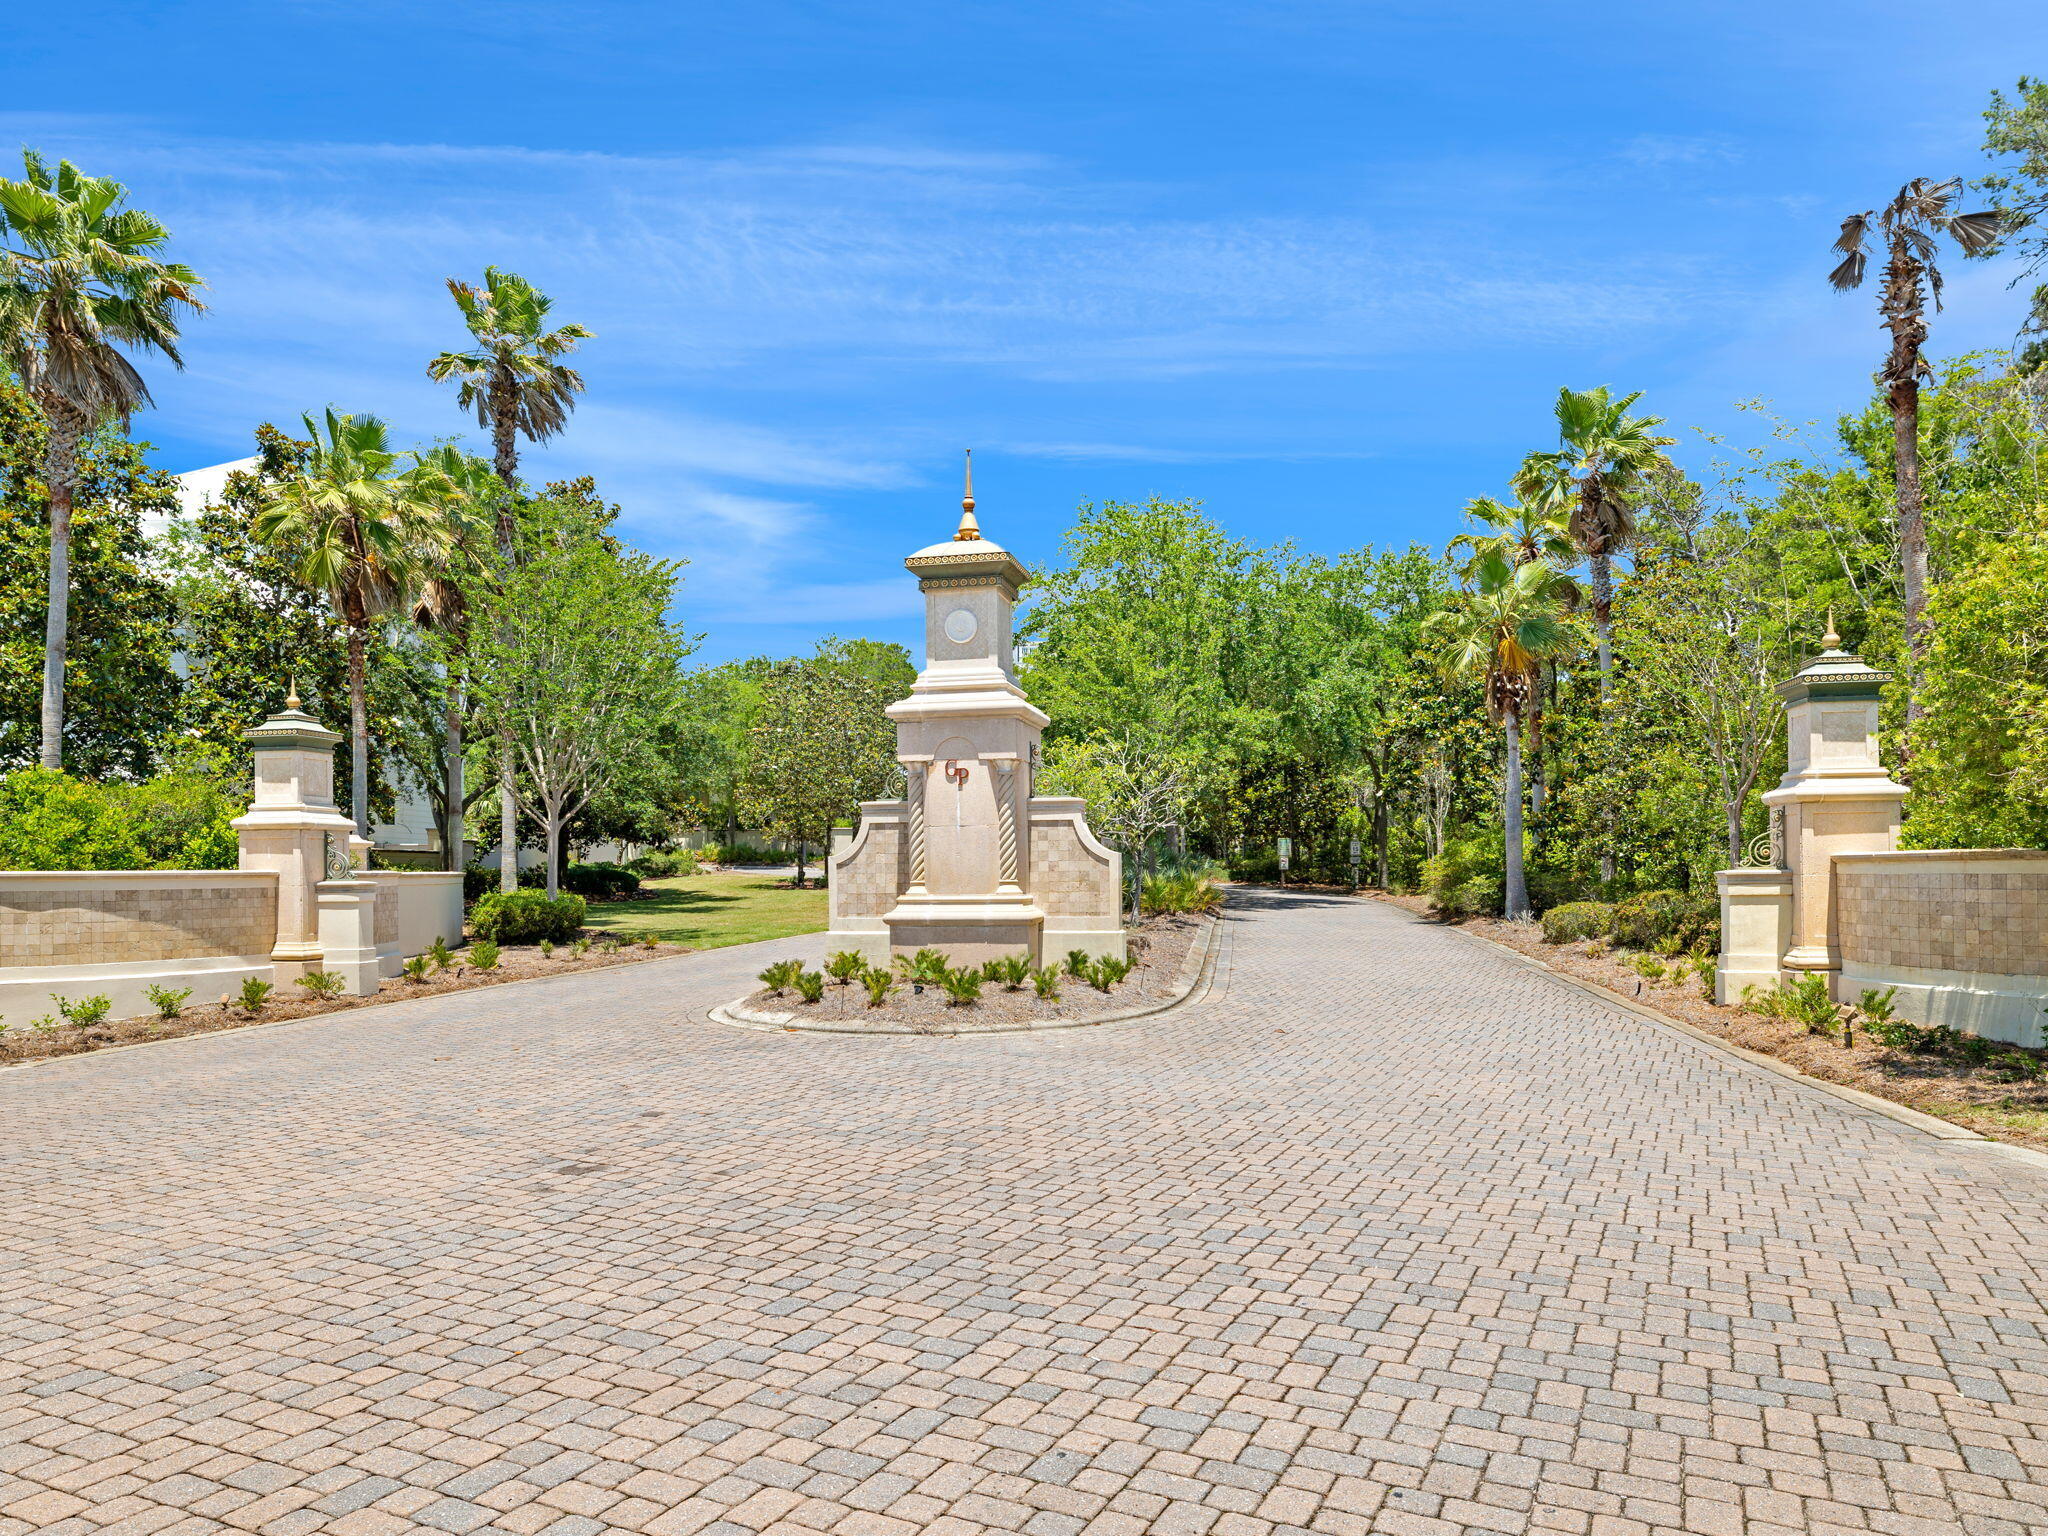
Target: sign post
{"type": "Point", "coordinates": [1354, 863]}
{"type": "Point", "coordinates": [1286, 848]}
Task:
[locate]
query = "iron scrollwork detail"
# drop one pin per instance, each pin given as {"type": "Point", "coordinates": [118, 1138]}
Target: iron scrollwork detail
{"type": "Point", "coordinates": [339, 861]}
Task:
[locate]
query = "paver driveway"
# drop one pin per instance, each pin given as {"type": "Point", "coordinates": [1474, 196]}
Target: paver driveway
{"type": "Point", "coordinates": [1392, 1234]}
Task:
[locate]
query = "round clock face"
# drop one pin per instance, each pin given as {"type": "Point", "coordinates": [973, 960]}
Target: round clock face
{"type": "Point", "coordinates": [960, 626]}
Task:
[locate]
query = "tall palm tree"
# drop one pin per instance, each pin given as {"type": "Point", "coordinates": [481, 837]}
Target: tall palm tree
{"type": "Point", "coordinates": [1607, 453]}
{"type": "Point", "coordinates": [1907, 227]}
{"type": "Point", "coordinates": [1507, 623]}
{"type": "Point", "coordinates": [516, 381]}
{"type": "Point", "coordinates": [449, 581]}
{"type": "Point", "coordinates": [79, 279]}
{"type": "Point", "coordinates": [363, 524]}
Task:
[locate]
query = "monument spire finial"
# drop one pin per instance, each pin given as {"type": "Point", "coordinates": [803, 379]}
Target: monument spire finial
{"type": "Point", "coordinates": [1831, 640]}
{"type": "Point", "coordinates": [969, 528]}
{"type": "Point", "coordinates": [291, 698]}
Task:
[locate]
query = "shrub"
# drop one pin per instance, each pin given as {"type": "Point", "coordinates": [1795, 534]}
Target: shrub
{"type": "Point", "coordinates": [323, 984]}
{"type": "Point", "coordinates": [1191, 890]}
{"type": "Point", "coordinates": [168, 1002]}
{"type": "Point", "coordinates": [84, 1012]}
{"type": "Point", "coordinates": [810, 985]}
{"type": "Point", "coordinates": [416, 968]}
{"type": "Point", "coordinates": [255, 993]}
{"type": "Point", "coordinates": [1046, 980]}
{"type": "Point", "coordinates": [1077, 964]}
{"type": "Point", "coordinates": [1466, 877]}
{"type": "Point", "coordinates": [580, 948]}
{"type": "Point", "coordinates": [845, 964]}
{"type": "Point", "coordinates": [525, 917]}
{"type": "Point", "coordinates": [650, 941]}
{"type": "Point", "coordinates": [879, 984]}
{"type": "Point", "coordinates": [1577, 920]}
{"type": "Point", "coordinates": [1646, 966]}
{"type": "Point", "coordinates": [963, 985]}
{"type": "Point", "coordinates": [547, 949]}
{"type": "Point", "coordinates": [1106, 972]}
{"type": "Point", "coordinates": [1012, 971]}
{"type": "Point", "coordinates": [926, 968]}
{"type": "Point", "coordinates": [742, 853]}
{"type": "Point", "coordinates": [483, 954]}
{"type": "Point", "coordinates": [663, 864]}
{"type": "Point", "coordinates": [609, 944]}
{"type": "Point", "coordinates": [600, 882]}
{"type": "Point", "coordinates": [440, 954]}
{"type": "Point", "coordinates": [178, 820]}
{"type": "Point", "coordinates": [781, 975]}
{"type": "Point", "coordinates": [1674, 921]}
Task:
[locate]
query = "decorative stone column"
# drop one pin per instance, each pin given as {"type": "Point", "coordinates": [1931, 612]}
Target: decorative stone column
{"type": "Point", "coordinates": [347, 915]}
{"type": "Point", "coordinates": [916, 770]}
{"type": "Point", "coordinates": [292, 826]}
{"type": "Point", "coordinates": [1836, 796]}
{"type": "Point", "coordinates": [1008, 877]}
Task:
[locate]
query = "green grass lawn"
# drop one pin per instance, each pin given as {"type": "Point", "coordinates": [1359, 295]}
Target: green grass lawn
{"type": "Point", "coordinates": [710, 910]}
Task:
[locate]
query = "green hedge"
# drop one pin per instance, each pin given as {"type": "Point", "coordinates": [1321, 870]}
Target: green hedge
{"type": "Point", "coordinates": [1577, 920]}
{"type": "Point", "coordinates": [1654, 919]}
{"type": "Point", "coordinates": [526, 917]}
{"type": "Point", "coordinates": [179, 820]}
{"type": "Point", "coordinates": [600, 882]}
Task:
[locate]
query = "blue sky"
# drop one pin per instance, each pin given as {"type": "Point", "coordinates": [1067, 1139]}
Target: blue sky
{"type": "Point", "coordinates": [1322, 266]}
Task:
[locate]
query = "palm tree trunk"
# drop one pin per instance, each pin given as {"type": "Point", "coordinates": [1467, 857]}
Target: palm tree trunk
{"type": "Point", "coordinates": [60, 474]}
{"type": "Point", "coordinates": [508, 819]}
{"type": "Point", "coordinates": [1516, 893]}
{"type": "Point", "coordinates": [359, 731]}
{"type": "Point", "coordinates": [1905, 403]}
{"type": "Point", "coordinates": [1603, 618]}
{"type": "Point", "coordinates": [452, 818]}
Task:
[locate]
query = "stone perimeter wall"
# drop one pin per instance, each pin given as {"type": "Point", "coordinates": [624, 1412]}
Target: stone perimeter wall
{"type": "Point", "coordinates": [1962, 934]}
{"type": "Point", "coordinates": [868, 872]}
{"type": "Point", "coordinates": [108, 917]}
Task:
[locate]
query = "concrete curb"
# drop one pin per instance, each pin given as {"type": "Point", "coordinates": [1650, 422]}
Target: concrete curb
{"type": "Point", "coordinates": [1962, 1137]}
{"type": "Point", "coordinates": [1191, 983]}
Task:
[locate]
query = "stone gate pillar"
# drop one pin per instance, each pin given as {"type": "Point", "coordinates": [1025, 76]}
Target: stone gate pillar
{"type": "Point", "coordinates": [292, 826]}
{"type": "Point", "coordinates": [1836, 796]}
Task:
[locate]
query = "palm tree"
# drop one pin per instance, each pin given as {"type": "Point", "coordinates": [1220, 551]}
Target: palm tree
{"type": "Point", "coordinates": [364, 526]}
{"type": "Point", "coordinates": [467, 485]}
{"type": "Point", "coordinates": [516, 382]}
{"type": "Point", "coordinates": [1607, 453]}
{"type": "Point", "coordinates": [1502, 631]}
{"type": "Point", "coordinates": [1908, 226]}
{"type": "Point", "coordinates": [78, 280]}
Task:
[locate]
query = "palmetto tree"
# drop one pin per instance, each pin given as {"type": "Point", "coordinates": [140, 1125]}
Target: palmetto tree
{"type": "Point", "coordinates": [1907, 227]}
{"type": "Point", "coordinates": [1607, 453]}
{"type": "Point", "coordinates": [516, 381]}
{"type": "Point", "coordinates": [364, 525]}
{"type": "Point", "coordinates": [448, 585]}
{"type": "Point", "coordinates": [1505, 626]}
{"type": "Point", "coordinates": [79, 279]}
{"type": "Point", "coordinates": [514, 378]}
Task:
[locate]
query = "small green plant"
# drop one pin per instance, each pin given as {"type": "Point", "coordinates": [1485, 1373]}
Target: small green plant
{"type": "Point", "coordinates": [255, 993]}
{"type": "Point", "coordinates": [440, 954]}
{"type": "Point", "coordinates": [483, 954]}
{"type": "Point", "coordinates": [323, 984]}
{"type": "Point", "coordinates": [843, 965]}
{"type": "Point", "coordinates": [417, 967]}
{"type": "Point", "coordinates": [168, 1002]}
{"type": "Point", "coordinates": [782, 975]}
{"type": "Point", "coordinates": [1106, 972]}
{"type": "Point", "coordinates": [879, 984]}
{"type": "Point", "coordinates": [1046, 982]}
{"type": "Point", "coordinates": [810, 985]}
{"type": "Point", "coordinates": [1077, 964]}
{"type": "Point", "coordinates": [926, 968]}
{"type": "Point", "coordinates": [650, 941]}
{"type": "Point", "coordinates": [1575, 920]}
{"type": "Point", "coordinates": [547, 949]}
{"type": "Point", "coordinates": [1649, 967]}
{"type": "Point", "coordinates": [1876, 1005]}
{"type": "Point", "coordinates": [963, 985]}
{"type": "Point", "coordinates": [85, 1012]}
{"type": "Point", "coordinates": [580, 948]}
{"type": "Point", "coordinates": [42, 1024]}
{"type": "Point", "coordinates": [609, 944]}
{"type": "Point", "coordinates": [1012, 971]}
{"type": "Point", "coordinates": [2016, 1067]}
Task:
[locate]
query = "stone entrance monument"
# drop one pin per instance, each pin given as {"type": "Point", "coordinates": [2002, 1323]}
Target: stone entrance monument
{"type": "Point", "coordinates": [972, 861]}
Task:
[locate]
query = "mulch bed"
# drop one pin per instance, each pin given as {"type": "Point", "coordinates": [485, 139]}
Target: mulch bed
{"type": "Point", "coordinates": [1967, 1095]}
{"type": "Point", "coordinates": [1158, 946]}
{"type": "Point", "coordinates": [515, 963]}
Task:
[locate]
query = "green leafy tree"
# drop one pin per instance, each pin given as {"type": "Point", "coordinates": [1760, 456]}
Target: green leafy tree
{"type": "Point", "coordinates": [2016, 135]}
{"type": "Point", "coordinates": [363, 525]}
{"type": "Point", "coordinates": [820, 745]}
{"type": "Point", "coordinates": [574, 662]}
{"type": "Point", "coordinates": [1136, 788]}
{"type": "Point", "coordinates": [80, 278]}
{"type": "Point", "coordinates": [1907, 229]}
{"type": "Point", "coordinates": [122, 694]}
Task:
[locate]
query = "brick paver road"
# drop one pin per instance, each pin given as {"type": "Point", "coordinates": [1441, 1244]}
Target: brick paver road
{"type": "Point", "coordinates": [1393, 1234]}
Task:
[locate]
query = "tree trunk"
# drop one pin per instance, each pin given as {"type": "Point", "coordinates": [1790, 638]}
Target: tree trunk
{"type": "Point", "coordinates": [1735, 833]}
{"type": "Point", "coordinates": [1905, 403]}
{"type": "Point", "coordinates": [359, 731]}
{"type": "Point", "coordinates": [60, 474]}
{"type": "Point", "coordinates": [1603, 618]}
{"type": "Point", "coordinates": [801, 849]}
{"type": "Point", "coordinates": [1515, 904]}
{"type": "Point", "coordinates": [508, 819]}
{"type": "Point", "coordinates": [1381, 829]}
{"type": "Point", "coordinates": [452, 818]}
{"type": "Point", "coordinates": [554, 854]}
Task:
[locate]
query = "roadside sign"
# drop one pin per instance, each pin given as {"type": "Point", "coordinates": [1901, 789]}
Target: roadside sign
{"type": "Point", "coordinates": [1286, 848]}
{"type": "Point", "coordinates": [1354, 850]}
